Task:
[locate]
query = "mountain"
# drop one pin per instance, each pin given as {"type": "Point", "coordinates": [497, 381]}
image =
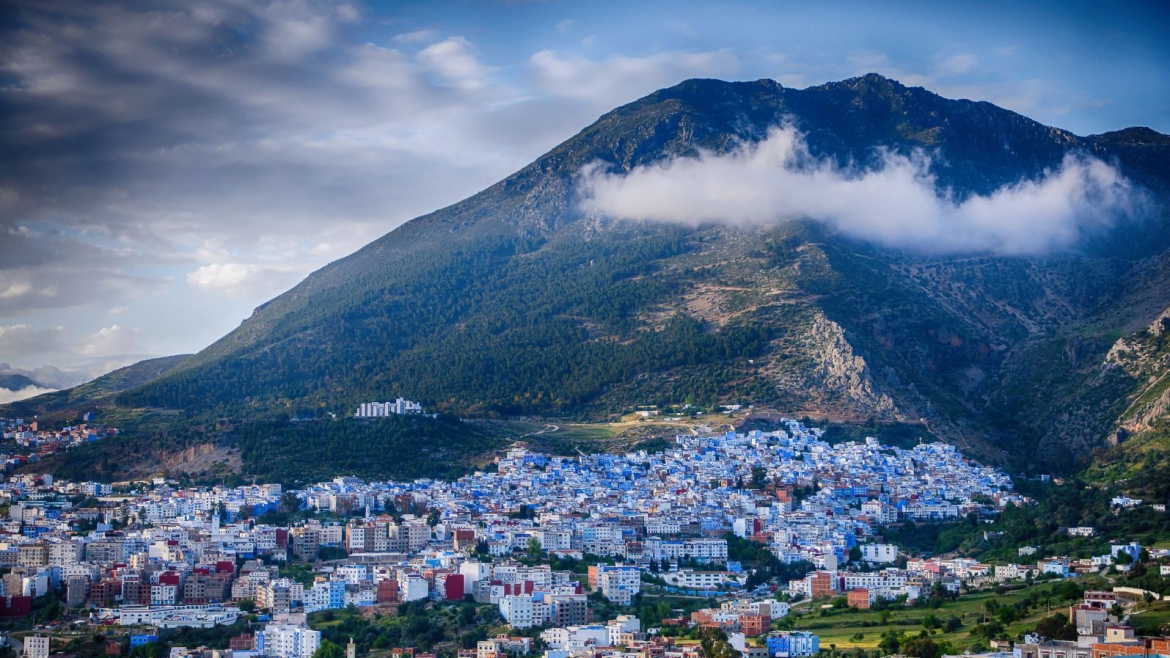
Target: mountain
{"type": "Point", "coordinates": [515, 301]}
{"type": "Point", "coordinates": [16, 381]}
{"type": "Point", "coordinates": [98, 393]}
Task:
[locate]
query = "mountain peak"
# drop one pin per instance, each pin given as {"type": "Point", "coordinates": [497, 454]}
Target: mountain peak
{"type": "Point", "coordinates": [869, 82]}
{"type": "Point", "coordinates": [1135, 135]}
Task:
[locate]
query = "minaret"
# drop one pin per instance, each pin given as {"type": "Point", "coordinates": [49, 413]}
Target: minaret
{"type": "Point", "coordinates": [351, 650]}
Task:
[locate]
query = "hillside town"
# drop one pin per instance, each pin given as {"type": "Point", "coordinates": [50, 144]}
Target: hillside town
{"type": "Point", "coordinates": [35, 441]}
{"type": "Point", "coordinates": [561, 549]}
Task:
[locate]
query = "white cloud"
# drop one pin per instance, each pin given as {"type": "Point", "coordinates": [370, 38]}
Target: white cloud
{"type": "Point", "coordinates": [564, 26]}
{"type": "Point", "coordinates": [238, 279]}
{"type": "Point", "coordinates": [621, 79]}
{"type": "Point", "coordinates": [23, 339]}
{"type": "Point", "coordinates": [294, 31]}
{"type": "Point", "coordinates": [7, 395]}
{"type": "Point", "coordinates": [417, 36]}
{"type": "Point", "coordinates": [222, 276]}
{"type": "Point", "coordinates": [111, 340]}
{"type": "Point", "coordinates": [896, 204]}
{"type": "Point", "coordinates": [348, 13]}
{"type": "Point", "coordinates": [454, 60]}
{"type": "Point", "coordinates": [956, 64]}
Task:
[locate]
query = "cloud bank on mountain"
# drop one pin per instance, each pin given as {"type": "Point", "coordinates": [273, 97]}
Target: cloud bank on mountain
{"type": "Point", "coordinates": [896, 203]}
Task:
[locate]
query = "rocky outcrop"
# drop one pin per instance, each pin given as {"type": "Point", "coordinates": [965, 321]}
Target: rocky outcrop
{"type": "Point", "coordinates": [1144, 357]}
{"type": "Point", "coordinates": [829, 374]}
{"type": "Point", "coordinates": [841, 371]}
{"type": "Point", "coordinates": [201, 458]}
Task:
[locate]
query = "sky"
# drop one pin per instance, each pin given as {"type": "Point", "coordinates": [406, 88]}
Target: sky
{"type": "Point", "coordinates": [166, 167]}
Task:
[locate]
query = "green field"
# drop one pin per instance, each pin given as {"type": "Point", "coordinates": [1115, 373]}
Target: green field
{"type": "Point", "coordinates": [564, 438]}
{"type": "Point", "coordinates": [1151, 617]}
{"type": "Point", "coordinates": [863, 629]}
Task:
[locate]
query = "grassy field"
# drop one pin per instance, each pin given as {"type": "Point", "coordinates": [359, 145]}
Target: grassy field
{"type": "Point", "coordinates": [564, 438]}
{"type": "Point", "coordinates": [864, 628]}
{"type": "Point", "coordinates": [1151, 616]}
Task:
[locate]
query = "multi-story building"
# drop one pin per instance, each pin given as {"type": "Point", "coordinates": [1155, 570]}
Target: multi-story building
{"type": "Point", "coordinates": [618, 583]}
{"type": "Point", "coordinates": [287, 641]}
{"type": "Point", "coordinates": [523, 610]}
{"type": "Point", "coordinates": [792, 644]}
{"type": "Point", "coordinates": [36, 646]}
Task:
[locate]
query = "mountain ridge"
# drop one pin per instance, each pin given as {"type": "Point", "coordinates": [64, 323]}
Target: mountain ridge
{"type": "Point", "coordinates": [514, 301]}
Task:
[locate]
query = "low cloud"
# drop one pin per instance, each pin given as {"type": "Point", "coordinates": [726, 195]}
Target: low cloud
{"type": "Point", "coordinates": [7, 395]}
{"type": "Point", "coordinates": [49, 377]}
{"type": "Point", "coordinates": [895, 204]}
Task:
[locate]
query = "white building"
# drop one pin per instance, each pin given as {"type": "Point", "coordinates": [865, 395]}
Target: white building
{"type": "Point", "coordinates": [690, 579]}
{"type": "Point", "coordinates": [577, 638]}
{"type": "Point", "coordinates": [880, 553]}
{"type": "Point", "coordinates": [473, 572]}
{"type": "Point", "coordinates": [522, 611]}
{"type": "Point", "coordinates": [623, 624]}
{"type": "Point", "coordinates": [619, 583]}
{"type": "Point", "coordinates": [412, 587]}
{"type": "Point", "coordinates": [287, 641]}
{"type": "Point", "coordinates": [384, 409]}
{"type": "Point", "coordinates": [36, 646]}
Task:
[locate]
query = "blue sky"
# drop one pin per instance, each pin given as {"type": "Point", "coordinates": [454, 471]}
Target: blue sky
{"type": "Point", "coordinates": [171, 165]}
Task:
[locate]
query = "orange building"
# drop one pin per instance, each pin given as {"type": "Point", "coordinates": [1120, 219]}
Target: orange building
{"type": "Point", "coordinates": [822, 583]}
{"type": "Point", "coordinates": [1110, 649]}
{"type": "Point", "coordinates": [860, 599]}
{"type": "Point", "coordinates": [754, 625]}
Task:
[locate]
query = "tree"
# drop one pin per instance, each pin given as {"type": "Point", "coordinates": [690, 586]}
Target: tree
{"type": "Point", "coordinates": [1055, 626]}
{"type": "Point", "coordinates": [921, 647]}
{"type": "Point", "coordinates": [534, 549]}
{"type": "Point", "coordinates": [329, 649]}
{"type": "Point", "coordinates": [246, 605]}
{"type": "Point", "coordinates": [890, 643]}
{"type": "Point", "coordinates": [713, 644]}
{"type": "Point", "coordinates": [855, 554]}
{"type": "Point", "coordinates": [433, 518]}
{"type": "Point", "coordinates": [759, 475]}
{"type": "Point", "coordinates": [289, 503]}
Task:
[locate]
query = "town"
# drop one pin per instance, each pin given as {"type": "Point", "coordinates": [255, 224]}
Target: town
{"type": "Point", "coordinates": [40, 442]}
{"type": "Point", "coordinates": [734, 535]}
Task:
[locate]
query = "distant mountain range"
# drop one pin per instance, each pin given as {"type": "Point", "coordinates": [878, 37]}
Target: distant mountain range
{"type": "Point", "coordinates": [517, 301]}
